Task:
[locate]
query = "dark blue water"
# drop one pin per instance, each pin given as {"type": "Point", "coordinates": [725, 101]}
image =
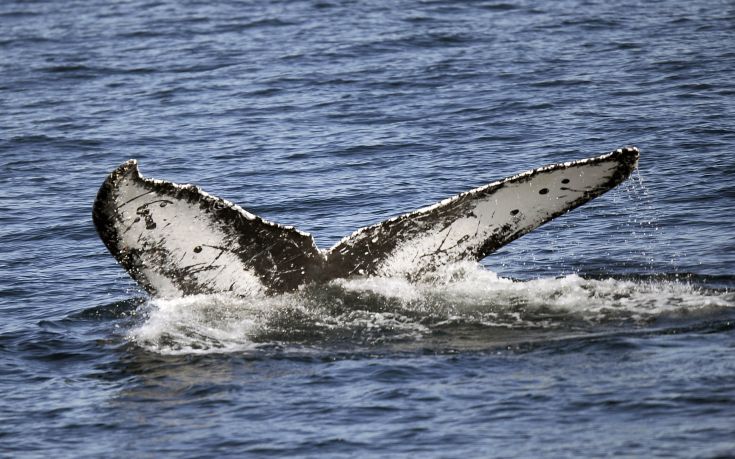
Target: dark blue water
{"type": "Point", "coordinates": [610, 331]}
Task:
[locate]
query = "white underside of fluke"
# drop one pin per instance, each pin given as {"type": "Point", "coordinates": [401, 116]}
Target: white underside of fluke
{"type": "Point", "coordinates": [189, 239]}
{"type": "Point", "coordinates": [517, 207]}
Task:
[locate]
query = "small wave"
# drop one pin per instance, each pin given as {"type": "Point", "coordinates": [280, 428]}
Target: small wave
{"type": "Point", "coordinates": [384, 311]}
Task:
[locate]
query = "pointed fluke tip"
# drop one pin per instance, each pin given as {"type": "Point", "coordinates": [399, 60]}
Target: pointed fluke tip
{"type": "Point", "coordinates": [629, 152]}
{"type": "Point", "coordinates": [131, 164]}
{"type": "Point", "coordinates": [129, 167]}
{"type": "Point", "coordinates": [628, 156]}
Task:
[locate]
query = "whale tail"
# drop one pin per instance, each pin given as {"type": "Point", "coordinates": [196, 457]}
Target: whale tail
{"type": "Point", "coordinates": [177, 240]}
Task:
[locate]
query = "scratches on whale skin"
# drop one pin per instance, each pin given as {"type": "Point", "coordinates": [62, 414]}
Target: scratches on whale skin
{"type": "Point", "coordinates": [222, 250]}
{"type": "Point", "coordinates": [445, 236]}
{"type": "Point", "coordinates": [167, 243]}
{"type": "Point", "coordinates": [196, 268]}
{"type": "Point", "coordinates": [135, 198]}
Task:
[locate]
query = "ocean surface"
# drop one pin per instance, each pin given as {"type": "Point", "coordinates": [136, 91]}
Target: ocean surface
{"type": "Point", "coordinates": [607, 332]}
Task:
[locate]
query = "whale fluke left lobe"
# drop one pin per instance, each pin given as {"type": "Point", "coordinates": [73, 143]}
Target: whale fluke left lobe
{"type": "Point", "coordinates": [178, 240]}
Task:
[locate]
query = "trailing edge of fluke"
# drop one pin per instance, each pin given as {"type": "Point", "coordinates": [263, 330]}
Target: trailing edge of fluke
{"type": "Point", "coordinates": [177, 240]}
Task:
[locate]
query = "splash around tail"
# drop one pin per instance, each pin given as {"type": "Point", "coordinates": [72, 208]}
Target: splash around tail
{"type": "Point", "coordinates": [459, 306]}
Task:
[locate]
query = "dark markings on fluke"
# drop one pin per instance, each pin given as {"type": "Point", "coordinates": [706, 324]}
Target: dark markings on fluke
{"type": "Point", "coordinates": [177, 240]}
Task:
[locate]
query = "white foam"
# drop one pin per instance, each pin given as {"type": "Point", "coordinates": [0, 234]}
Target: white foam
{"type": "Point", "coordinates": [200, 323]}
{"type": "Point", "coordinates": [397, 287]}
{"type": "Point", "coordinates": [367, 311]}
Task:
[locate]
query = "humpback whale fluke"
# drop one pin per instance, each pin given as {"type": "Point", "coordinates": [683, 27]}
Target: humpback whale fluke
{"type": "Point", "coordinates": [177, 240]}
